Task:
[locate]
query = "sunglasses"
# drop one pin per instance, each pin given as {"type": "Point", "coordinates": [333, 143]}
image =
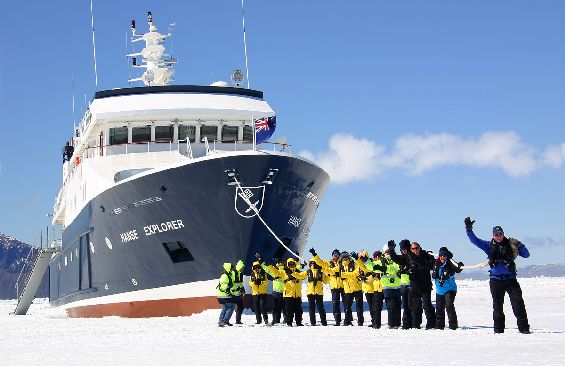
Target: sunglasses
{"type": "Point", "coordinates": [498, 234]}
{"type": "Point", "coordinates": [414, 248]}
{"type": "Point", "coordinates": [256, 267]}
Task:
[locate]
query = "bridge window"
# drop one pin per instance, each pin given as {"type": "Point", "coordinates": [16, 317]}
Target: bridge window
{"type": "Point", "coordinates": [187, 131]}
{"type": "Point", "coordinates": [118, 135]}
{"type": "Point", "coordinates": [247, 134]}
{"type": "Point", "coordinates": [141, 134]}
{"type": "Point", "coordinates": [164, 133]}
{"type": "Point", "coordinates": [229, 133]}
{"type": "Point", "coordinates": [211, 132]}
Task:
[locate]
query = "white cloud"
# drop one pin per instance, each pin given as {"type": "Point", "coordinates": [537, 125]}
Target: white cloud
{"type": "Point", "coordinates": [554, 156]}
{"type": "Point", "coordinates": [351, 159]}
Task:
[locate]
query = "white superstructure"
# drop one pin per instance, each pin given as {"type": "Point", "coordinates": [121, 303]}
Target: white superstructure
{"type": "Point", "coordinates": [128, 131]}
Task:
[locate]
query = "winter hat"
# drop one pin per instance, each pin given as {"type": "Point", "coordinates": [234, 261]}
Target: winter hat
{"type": "Point", "coordinates": [443, 251]}
{"type": "Point", "coordinates": [497, 230]}
{"type": "Point", "coordinates": [344, 255]}
{"type": "Point", "coordinates": [336, 252]}
{"type": "Point", "coordinates": [405, 244]}
{"type": "Point", "coordinates": [377, 253]}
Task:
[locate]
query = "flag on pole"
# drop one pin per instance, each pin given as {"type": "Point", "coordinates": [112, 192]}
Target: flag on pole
{"type": "Point", "coordinates": [264, 128]}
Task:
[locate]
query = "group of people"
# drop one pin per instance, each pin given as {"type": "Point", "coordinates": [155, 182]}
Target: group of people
{"type": "Point", "coordinates": [401, 280]}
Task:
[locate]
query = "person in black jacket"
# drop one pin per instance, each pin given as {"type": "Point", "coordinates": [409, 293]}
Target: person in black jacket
{"type": "Point", "coordinates": [419, 263]}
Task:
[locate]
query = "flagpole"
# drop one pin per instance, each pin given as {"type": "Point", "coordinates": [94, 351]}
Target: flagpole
{"type": "Point", "coordinates": [254, 133]}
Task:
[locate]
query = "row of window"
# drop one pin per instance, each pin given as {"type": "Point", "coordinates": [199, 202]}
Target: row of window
{"type": "Point", "coordinates": [119, 135]}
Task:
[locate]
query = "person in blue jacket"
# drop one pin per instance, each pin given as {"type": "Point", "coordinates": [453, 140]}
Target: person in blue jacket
{"type": "Point", "coordinates": [502, 252]}
{"type": "Point", "coordinates": [444, 275]}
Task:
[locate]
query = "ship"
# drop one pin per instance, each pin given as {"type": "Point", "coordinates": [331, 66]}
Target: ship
{"type": "Point", "coordinates": [163, 183]}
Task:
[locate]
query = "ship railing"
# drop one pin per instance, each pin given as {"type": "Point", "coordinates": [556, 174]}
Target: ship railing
{"type": "Point", "coordinates": [27, 266]}
{"type": "Point", "coordinates": [219, 146]}
{"type": "Point", "coordinates": [188, 147]}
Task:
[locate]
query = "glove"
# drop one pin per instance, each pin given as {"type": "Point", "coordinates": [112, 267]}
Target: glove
{"type": "Point", "coordinates": [469, 224]}
{"type": "Point", "coordinates": [460, 264]}
{"type": "Point", "coordinates": [391, 245]}
{"type": "Point", "coordinates": [304, 264]}
{"type": "Point", "coordinates": [354, 255]}
{"type": "Point", "coordinates": [313, 252]}
{"type": "Point", "coordinates": [258, 256]}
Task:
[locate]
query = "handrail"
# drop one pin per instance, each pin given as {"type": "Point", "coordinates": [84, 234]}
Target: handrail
{"type": "Point", "coordinates": [24, 267]}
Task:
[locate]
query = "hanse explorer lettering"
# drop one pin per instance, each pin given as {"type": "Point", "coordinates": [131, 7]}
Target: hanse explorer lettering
{"type": "Point", "coordinates": [163, 227]}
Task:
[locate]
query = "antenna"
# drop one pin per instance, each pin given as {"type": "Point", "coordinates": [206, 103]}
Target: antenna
{"type": "Point", "coordinates": [94, 45]}
{"type": "Point", "coordinates": [73, 91]}
{"type": "Point", "coordinates": [245, 43]}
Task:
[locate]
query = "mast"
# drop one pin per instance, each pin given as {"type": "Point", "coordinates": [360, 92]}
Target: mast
{"type": "Point", "coordinates": [158, 71]}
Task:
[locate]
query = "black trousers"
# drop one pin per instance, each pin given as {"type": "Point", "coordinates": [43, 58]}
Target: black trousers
{"type": "Point", "coordinates": [418, 299]}
{"type": "Point", "coordinates": [378, 298]}
{"type": "Point", "coordinates": [443, 303]}
{"type": "Point", "coordinates": [406, 313]}
{"type": "Point", "coordinates": [293, 307]}
{"type": "Point", "coordinates": [337, 293]}
{"type": "Point", "coordinates": [349, 297]}
{"type": "Point", "coordinates": [278, 306]}
{"type": "Point", "coordinates": [498, 288]}
{"type": "Point", "coordinates": [370, 297]}
{"type": "Point", "coordinates": [393, 310]}
{"type": "Point", "coordinates": [260, 306]}
{"type": "Point", "coordinates": [316, 301]}
{"type": "Point", "coordinates": [238, 309]}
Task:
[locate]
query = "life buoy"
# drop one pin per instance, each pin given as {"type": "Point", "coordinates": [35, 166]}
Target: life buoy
{"type": "Point", "coordinates": [77, 160]}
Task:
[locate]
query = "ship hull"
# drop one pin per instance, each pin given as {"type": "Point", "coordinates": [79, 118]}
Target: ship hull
{"type": "Point", "coordinates": [154, 245]}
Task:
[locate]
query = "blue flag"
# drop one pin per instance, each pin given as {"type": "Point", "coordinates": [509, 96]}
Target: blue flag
{"type": "Point", "coordinates": [264, 128]}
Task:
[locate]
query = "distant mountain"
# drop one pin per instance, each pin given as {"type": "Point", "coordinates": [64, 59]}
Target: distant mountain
{"type": "Point", "coordinates": [537, 270]}
{"type": "Point", "coordinates": [13, 254]}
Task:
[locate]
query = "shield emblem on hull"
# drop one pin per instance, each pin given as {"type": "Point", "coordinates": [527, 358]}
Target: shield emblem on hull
{"type": "Point", "coordinates": [245, 197]}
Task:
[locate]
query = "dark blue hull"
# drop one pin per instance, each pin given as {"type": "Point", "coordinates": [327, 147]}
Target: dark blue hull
{"type": "Point", "coordinates": [178, 226]}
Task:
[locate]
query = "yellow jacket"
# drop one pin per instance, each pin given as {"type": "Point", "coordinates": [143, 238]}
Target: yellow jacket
{"type": "Point", "coordinates": [292, 279]}
{"type": "Point", "coordinates": [377, 284]}
{"type": "Point", "coordinates": [316, 280]}
{"type": "Point", "coordinates": [366, 278]}
{"type": "Point", "coordinates": [258, 281]}
{"type": "Point", "coordinates": [350, 276]}
{"type": "Point", "coordinates": [331, 267]}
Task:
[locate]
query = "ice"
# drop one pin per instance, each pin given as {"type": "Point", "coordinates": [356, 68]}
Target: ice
{"type": "Point", "coordinates": [46, 336]}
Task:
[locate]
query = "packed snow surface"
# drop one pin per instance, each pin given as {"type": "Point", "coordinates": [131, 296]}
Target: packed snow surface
{"type": "Point", "coordinates": [46, 336]}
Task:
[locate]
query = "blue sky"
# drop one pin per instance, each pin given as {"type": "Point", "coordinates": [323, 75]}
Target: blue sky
{"type": "Point", "coordinates": [423, 112]}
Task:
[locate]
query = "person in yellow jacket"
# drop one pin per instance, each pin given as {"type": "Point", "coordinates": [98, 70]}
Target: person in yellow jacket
{"type": "Point", "coordinates": [315, 292]}
{"type": "Point", "coordinates": [277, 294]}
{"type": "Point", "coordinates": [350, 273]}
{"type": "Point", "coordinates": [332, 268]}
{"type": "Point", "coordinates": [225, 295]}
{"type": "Point", "coordinates": [405, 286]}
{"type": "Point", "coordinates": [378, 269]}
{"type": "Point", "coordinates": [292, 295]}
{"type": "Point", "coordinates": [367, 278]}
{"type": "Point", "coordinates": [391, 289]}
{"type": "Point", "coordinates": [258, 282]}
{"type": "Point", "coordinates": [239, 290]}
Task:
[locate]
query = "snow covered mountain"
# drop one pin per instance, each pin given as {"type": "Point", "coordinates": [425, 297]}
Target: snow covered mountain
{"type": "Point", "coordinates": [537, 270]}
{"type": "Point", "coordinates": [12, 257]}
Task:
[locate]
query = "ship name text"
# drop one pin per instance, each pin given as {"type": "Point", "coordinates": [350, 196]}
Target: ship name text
{"type": "Point", "coordinates": [129, 236]}
{"type": "Point", "coordinates": [162, 227]}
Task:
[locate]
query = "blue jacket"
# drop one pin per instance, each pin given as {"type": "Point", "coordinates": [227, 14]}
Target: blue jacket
{"type": "Point", "coordinates": [499, 271]}
{"type": "Point", "coordinates": [448, 281]}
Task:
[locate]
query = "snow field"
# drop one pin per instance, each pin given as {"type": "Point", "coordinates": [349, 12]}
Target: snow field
{"type": "Point", "coordinates": [47, 337]}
